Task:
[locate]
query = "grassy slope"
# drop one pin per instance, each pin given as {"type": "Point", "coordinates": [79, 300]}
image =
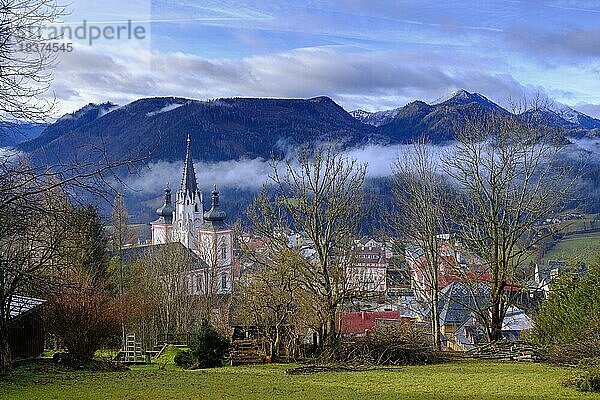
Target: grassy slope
{"type": "Point", "coordinates": [589, 222]}
{"type": "Point", "coordinates": [458, 380]}
{"type": "Point", "coordinates": [583, 247]}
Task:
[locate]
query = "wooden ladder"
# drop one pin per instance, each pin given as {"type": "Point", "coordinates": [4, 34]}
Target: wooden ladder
{"type": "Point", "coordinates": [133, 349]}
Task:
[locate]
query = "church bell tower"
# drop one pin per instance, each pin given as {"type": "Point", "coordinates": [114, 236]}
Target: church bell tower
{"type": "Point", "coordinates": [189, 210]}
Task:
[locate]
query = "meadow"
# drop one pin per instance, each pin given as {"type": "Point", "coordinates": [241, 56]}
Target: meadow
{"type": "Point", "coordinates": [465, 379]}
{"type": "Point", "coordinates": [583, 247]}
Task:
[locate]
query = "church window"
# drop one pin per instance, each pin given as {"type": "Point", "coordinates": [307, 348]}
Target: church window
{"type": "Point", "coordinates": [224, 282]}
{"type": "Point", "coordinates": [223, 251]}
{"type": "Point", "coordinates": [198, 284]}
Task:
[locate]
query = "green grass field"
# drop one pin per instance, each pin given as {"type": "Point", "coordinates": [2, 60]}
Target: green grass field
{"type": "Point", "coordinates": [456, 380]}
{"type": "Point", "coordinates": [590, 221]}
{"type": "Point", "coordinates": [583, 247]}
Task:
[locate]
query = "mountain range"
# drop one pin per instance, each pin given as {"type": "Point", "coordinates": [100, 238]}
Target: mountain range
{"type": "Point", "coordinates": [223, 129]}
{"type": "Point", "coordinates": [235, 128]}
{"type": "Point", "coordinates": [438, 119]}
{"type": "Point", "coordinates": [255, 128]}
{"type": "Point", "coordinates": [15, 133]}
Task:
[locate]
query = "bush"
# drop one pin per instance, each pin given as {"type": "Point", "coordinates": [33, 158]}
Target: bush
{"type": "Point", "coordinates": [586, 381]}
{"type": "Point", "coordinates": [577, 350]}
{"type": "Point", "coordinates": [589, 362]}
{"type": "Point", "coordinates": [569, 321]}
{"type": "Point", "coordinates": [85, 318]}
{"type": "Point", "coordinates": [208, 346]}
{"type": "Point", "coordinates": [184, 359]}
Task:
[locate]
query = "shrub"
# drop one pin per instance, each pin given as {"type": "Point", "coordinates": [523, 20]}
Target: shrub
{"type": "Point", "coordinates": [569, 321]}
{"type": "Point", "coordinates": [208, 346]}
{"type": "Point", "coordinates": [85, 318]}
{"type": "Point", "coordinates": [587, 380]}
{"type": "Point", "coordinates": [184, 359]}
{"type": "Point", "coordinates": [589, 362]}
{"type": "Point", "coordinates": [578, 349]}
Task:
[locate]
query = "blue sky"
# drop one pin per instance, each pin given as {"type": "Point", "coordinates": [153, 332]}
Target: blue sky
{"type": "Point", "coordinates": [364, 54]}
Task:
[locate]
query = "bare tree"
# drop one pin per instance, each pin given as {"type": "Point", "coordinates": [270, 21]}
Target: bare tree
{"type": "Point", "coordinates": [212, 292]}
{"type": "Point", "coordinates": [25, 78]}
{"type": "Point", "coordinates": [321, 199]}
{"type": "Point", "coordinates": [36, 238]}
{"type": "Point", "coordinates": [25, 66]}
{"type": "Point", "coordinates": [85, 317]}
{"type": "Point", "coordinates": [121, 232]}
{"type": "Point", "coordinates": [421, 215]}
{"type": "Point", "coordinates": [507, 171]}
{"type": "Point", "coordinates": [31, 195]}
{"type": "Point", "coordinates": [162, 285]}
{"type": "Point", "coordinates": [269, 298]}
{"type": "Point", "coordinates": [32, 234]}
{"type": "Point", "coordinates": [120, 236]}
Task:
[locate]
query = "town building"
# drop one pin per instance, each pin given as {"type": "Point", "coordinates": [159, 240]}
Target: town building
{"type": "Point", "coordinates": [459, 306]}
{"type": "Point", "coordinates": [369, 265]}
{"type": "Point", "coordinates": [545, 274]}
{"type": "Point", "coordinates": [361, 323]}
{"type": "Point", "coordinates": [450, 262]}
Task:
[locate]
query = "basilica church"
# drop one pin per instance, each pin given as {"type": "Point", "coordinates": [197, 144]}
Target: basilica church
{"type": "Point", "coordinates": [204, 233]}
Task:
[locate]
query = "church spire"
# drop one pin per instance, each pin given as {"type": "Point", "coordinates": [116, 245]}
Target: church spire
{"type": "Point", "coordinates": [188, 182]}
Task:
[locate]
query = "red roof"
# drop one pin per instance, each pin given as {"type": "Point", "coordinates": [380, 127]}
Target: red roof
{"type": "Point", "coordinates": [359, 322]}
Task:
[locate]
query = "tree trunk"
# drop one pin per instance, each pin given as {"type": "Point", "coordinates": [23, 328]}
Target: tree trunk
{"type": "Point", "coordinates": [5, 356]}
{"type": "Point", "coordinates": [435, 321]}
{"type": "Point", "coordinates": [275, 348]}
{"type": "Point", "coordinates": [330, 337]}
{"type": "Point", "coordinates": [495, 332]}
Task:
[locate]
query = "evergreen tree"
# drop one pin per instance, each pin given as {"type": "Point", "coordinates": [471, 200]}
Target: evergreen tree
{"type": "Point", "coordinates": [569, 320]}
{"type": "Point", "coordinates": [208, 346]}
{"type": "Point", "coordinates": [90, 244]}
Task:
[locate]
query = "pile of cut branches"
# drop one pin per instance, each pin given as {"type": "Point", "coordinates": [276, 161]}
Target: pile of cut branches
{"type": "Point", "coordinates": [395, 345]}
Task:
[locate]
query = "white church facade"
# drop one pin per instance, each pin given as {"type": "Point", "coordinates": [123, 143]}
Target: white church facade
{"type": "Point", "coordinates": [204, 233]}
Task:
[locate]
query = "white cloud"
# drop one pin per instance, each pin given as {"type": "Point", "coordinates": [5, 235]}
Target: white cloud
{"type": "Point", "coordinates": [240, 174]}
{"type": "Point", "coordinates": [371, 55]}
{"type": "Point", "coordinates": [585, 150]}
{"type": "Point", "coordinates": [251, 174]}
{"type": "Point", "coordinates": [381, 159]}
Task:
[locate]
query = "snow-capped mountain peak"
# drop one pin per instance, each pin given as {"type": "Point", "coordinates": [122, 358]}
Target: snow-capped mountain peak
{"type": "Point", "coordinates": [459, 94]}
{"type": "Point", "coordinates": [375, 118]}
{"type": "Point", "coordinates": [360, 114]}
{"type": "Point", "coordinates": [575, 117]}
{"type": "Point", "coordinates": [567, 113]}
{"type": "Point", "coordinates": [102, 110]}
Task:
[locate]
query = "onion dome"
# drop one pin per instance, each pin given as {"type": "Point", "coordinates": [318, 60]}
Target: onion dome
{"type": "Point", "coordinates": [214, 217]}
{"type": "Point", "coordinates": [165, 213]}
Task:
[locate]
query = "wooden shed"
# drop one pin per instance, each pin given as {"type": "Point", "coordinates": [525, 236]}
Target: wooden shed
{"type": "Point", "coordinates": [26, 336]}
